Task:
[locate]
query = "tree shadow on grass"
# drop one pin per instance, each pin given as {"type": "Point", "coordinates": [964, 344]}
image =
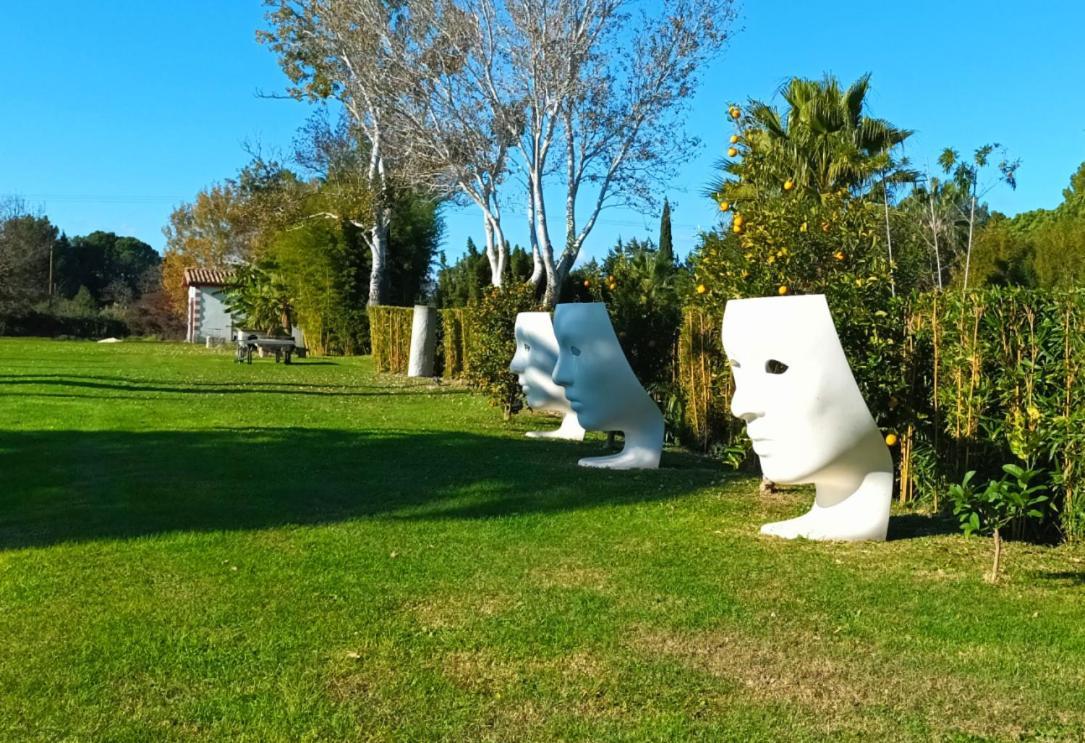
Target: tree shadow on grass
{"type": "Point", "coordinates": [286, 387]}
{"type": "Point", "coordinates": [916, 525]}
{"type": "Point", "coordinates": [74, 486]}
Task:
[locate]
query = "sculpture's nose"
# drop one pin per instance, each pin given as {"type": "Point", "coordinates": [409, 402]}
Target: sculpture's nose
{"type": "Point", "coordinates": [743, 405]}
{"type": "Point", "coordinates": [563, 372]}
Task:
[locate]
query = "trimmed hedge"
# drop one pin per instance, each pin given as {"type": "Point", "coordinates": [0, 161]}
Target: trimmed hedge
{"type": "Point", "coordinates": [47, 325]}
{"type": "Point", "coordinates": [455, 335]}
{"type": "Point", "coordinates": [390, 337]}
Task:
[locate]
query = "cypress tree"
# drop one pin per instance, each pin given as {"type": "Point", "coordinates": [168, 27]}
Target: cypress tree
{"type": "Point", "coordinates": [666, 247]}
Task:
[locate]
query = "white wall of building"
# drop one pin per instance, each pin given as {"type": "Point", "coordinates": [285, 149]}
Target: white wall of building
{"type": "Point", "coordinates": [208, 317]}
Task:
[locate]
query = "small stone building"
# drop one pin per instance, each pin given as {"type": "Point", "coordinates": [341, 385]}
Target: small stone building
{"type": "Point", "coordinates": [207, 313]}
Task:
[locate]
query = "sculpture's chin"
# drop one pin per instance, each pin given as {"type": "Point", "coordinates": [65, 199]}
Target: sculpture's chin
{"type": "Point", "coordinates": [784, 472]}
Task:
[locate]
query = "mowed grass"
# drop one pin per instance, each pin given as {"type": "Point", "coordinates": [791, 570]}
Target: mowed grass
{"type": "Point", "coordinates": [192, 549]}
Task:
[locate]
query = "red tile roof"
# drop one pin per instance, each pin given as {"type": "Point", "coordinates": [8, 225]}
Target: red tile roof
{"type": "Point", "coordinates": [208, 276]}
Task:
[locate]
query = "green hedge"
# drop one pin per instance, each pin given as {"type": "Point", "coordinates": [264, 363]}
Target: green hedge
{"type": "Point", "coordinates": [390, 337]}
{"type": "Point", "coordinates": [48, 325]}
{"type": "Point", "coordinates": [997, 375]}
{"type": "Point", "coordinates": [455, 337]}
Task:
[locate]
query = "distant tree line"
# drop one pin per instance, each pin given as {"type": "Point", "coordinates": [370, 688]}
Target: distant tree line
{"type": "Point", "coordinates": [44, 271]}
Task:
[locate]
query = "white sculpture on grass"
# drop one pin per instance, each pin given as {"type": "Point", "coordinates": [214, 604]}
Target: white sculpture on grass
{"type": "Point", "coordinates": [602, 388]}
{"type": "Point", "coordinates": [533, 363]}
{"type": "Point", "coordinates": [806, 417]}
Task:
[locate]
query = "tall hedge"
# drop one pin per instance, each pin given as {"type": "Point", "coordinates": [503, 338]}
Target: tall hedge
{"type": "Point", "coordinates": [455, 333]}
{"type": "Point", "coordinates": [390, 337]}
{"type": "Point", "coordinates": [998, 376]}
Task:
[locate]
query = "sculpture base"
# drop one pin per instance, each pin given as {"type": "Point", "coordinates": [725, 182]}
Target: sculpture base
{"type": "Point", "coordinates": [639, 459]}
{"type": "Point", "coordinates": [834, 524]}
{"type": "Point", "coordinates": [569, 430]}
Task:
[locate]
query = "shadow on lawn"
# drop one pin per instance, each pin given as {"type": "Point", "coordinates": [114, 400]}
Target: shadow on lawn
{"type": "Point", "coordinates": [125, 384]}
{"type": "Point", "coordinates": [69, 485]}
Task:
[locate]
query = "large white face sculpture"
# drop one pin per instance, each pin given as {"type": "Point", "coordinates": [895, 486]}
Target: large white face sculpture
{"type": "Point", "coordinates": [533, 363]}
{"type": "Point", "coordinates": [806, 417]}
{"type": "Point", "coordinates": [602, 388]}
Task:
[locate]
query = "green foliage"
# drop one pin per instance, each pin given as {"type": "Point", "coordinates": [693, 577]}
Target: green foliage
{"type": "Point", "coordinates": [260, 298]}
{"type": "Point", "coordinates": [114, 269]}
{"type": "Point", "coordinates": [666, 240]}
{"type": "Point", "coordinates": [1002, 501]}
{"type": "Point", "coordinates": [491, 343]}
{"type": "Point", "coordinates": [455, 341]}
{"type": "Point", "coordinates": [465, 281]}
{"type": "Point", "coordinates": [822, 143]}
{"type": "Point", "coordinates": [999, 374]}
{"type": "Point", "coordinates": [1044, 248]}
{"type": "Point", "coordinates": [325, 262]}
{"type": "Point", "coordinates": [1012, 498]}
{"type": "Point", "coordinates": [26, 242]}
{"type": "Point", "coordinates": [390, 337]}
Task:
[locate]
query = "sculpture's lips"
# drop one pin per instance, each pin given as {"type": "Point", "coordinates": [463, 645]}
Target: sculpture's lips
{"type": "Point", "coordinates": [761, 446]}
{"type": "Point", "coordinates": [573, 403]}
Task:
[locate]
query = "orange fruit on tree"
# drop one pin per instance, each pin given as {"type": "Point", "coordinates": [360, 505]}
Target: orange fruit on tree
{"type": "Point", "coordinates": [701, 289]}
{"type": "Point", "coordinates": [734, 139]}
{"type": "Point", "coordinates": [839, 255]}
{"type": "Point", "coordinates": [725, 206]}
{"type": "Point", "coordinates": [782, 290]}
{"type": "Point", "coordinates": [731, 152]}
{"type": "Point", "coordinates": [735, 112]}
{"type": "Point", "coordinates": [891, 439]}
{"type": "Point", "coordinates": [789, 184]}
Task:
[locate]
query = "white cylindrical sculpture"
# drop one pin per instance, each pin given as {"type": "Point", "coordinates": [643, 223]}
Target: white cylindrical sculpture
{"type": "Point", "coordinates": [602, 388]}
{"type": "Point", "coordinates": [423, 341]}
{"type": "Point", "coordinates": [806, 417]}
{"type": "Point", "coordinates": [533, 363]}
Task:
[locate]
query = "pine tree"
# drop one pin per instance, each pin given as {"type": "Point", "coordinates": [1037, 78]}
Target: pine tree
{"type": "Point", "coordinates": [666, 247]}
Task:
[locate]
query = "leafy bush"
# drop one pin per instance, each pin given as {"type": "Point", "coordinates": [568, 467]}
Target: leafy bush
{"type": "Point", "coordinates": [491, 342]}
{"type": "Point", "coordinates": [1000, 503]}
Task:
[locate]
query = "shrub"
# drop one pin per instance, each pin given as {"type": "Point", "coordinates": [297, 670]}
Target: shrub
{"type": "Point", "coordinates": [490, 342]}
{"type": "Point", "coordinates": [1014, 497]}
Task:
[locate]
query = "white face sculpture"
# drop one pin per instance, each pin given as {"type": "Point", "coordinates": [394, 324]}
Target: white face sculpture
{"type": "Point", "coordinates": [793, 386]}
{"type": "Point", "coordinates": [592, 367]}
{"type": "Point", "coordinates": [602, 388]}
{"type": "Point", "coordinates": [534, 361]}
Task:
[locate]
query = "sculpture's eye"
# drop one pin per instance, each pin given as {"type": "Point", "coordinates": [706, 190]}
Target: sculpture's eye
{"type": "Point", "coordinates": [772, 366]}
{"type": "Point", "coordinates": [527, 347]}
{"type": "Point", "coordinates": [574, 350]}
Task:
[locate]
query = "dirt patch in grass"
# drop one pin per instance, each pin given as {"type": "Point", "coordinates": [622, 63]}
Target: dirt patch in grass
{"type": "Point", "coordinates": [845, 687]}
{"type": "Point", "coordinates": [571, 576]}
{"type": "Point", "coordinates": [449, 612]}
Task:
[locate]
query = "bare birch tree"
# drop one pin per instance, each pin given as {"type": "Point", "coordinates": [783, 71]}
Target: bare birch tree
{"type": "Point", "coordinates": [607, 82]}
{"type": "Point", "coordinates": [340, 49]}
{"type": "Point", "coordinates": [584, 96]}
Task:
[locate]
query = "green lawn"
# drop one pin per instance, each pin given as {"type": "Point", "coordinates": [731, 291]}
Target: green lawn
{"type": "Point", "coordinates": [191, 549]}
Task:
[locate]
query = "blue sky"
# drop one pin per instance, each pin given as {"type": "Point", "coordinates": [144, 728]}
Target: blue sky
{"type": "Point", "coordinates": [113, 112]}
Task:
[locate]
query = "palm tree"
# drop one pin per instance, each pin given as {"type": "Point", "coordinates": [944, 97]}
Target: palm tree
{"type": "Point", "coordinates": [822, 143]}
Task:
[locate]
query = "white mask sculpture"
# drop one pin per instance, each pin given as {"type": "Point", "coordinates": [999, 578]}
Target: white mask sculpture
{"type": "Point", "coordinates": [533, 363]}
{"type": "Point", "coordinates": [806, 417]}
{"type": "Point", "coordinates": [602, 388]}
